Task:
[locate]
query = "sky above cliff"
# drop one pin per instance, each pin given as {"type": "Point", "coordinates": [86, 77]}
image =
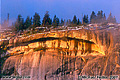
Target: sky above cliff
{"type": "Point", "coordinates": [65, 9]}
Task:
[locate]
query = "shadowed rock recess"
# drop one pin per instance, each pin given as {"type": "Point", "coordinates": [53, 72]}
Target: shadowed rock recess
{"type": "Point", "coordinates": [64, 55]}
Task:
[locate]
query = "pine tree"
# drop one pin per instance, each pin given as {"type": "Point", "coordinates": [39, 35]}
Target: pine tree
{"type": "Point", "coordinates": [36, 20]}
{"type": "Point", "coordinates": [74, 21]}
{"type": "Point", "coordinates": [22, 24]}
{"type": "Point", "coordinates": [104, 18]}
{"type": "Point", "coordinates": [100, 17]}
{"type": "Point", "coordinates": [101, 14]}
{"type": "Point", "coordinates": [78, 22]}
{"type": "Point", "coordinates": [62, 22]}
{"type": "Point", "coordinates": [55, 21]}
{"type": "Point", "coordinates": [98, 14]}
{"type": "Point", "coordinates": [93, 17]}
{"type": "Point", "coordinates": [85, 19]}
{"type": "Point", "coordinates": [19, 18]}
{"type": "Point", "coordinates": [31, 22]}
{"type": "Point", "coordinates": [46, 20]}
{"type": "Point", "coordinates": [19, 24]}
{"type": "Point", "coordinates": [110, 19]}
{"type": "Point", "coordinates": [28, 22]}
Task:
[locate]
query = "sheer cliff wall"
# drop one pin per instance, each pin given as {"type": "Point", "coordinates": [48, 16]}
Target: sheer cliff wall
{"type": "Point", "coordinates": [103, 40]}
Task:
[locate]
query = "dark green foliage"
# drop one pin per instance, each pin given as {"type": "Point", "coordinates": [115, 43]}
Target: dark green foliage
{"type": "Point", "coordinates": [104, 18]}
{"type": "Point", "coordinates": [92, 17]}
{"type": "Point", "coordinates": [100, 14]}
{"type": "Point", "coordinates": [28, 22]}
{"type": "Point", "coordinates": [62, 22]}
{"type": "Point", "coordinates": [78, 22]}
{"type": "Point", "coordinates": [111, 19]}
{"type": "Point", "coordinates": [74, 21]}
{"type": "Point", "coordinates": [46, 20]}
{"type": "Point", "coordinates": [36, 20]}
{"type": "Point", "coordinates": [55, 21]}
{"type": "Point", "coordinates": [85, 19]}
{"type": "Point", "coordinates": [99, 18]}
{"type": "Point", "coordinates": [19, 24]}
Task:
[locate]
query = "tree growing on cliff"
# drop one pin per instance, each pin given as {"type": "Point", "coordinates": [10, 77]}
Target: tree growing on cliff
{"type": "Point", "coordinates": [74, 21]}
{"type": "Point", "coordinates": [46, 20]}
{"type": "Point", "coordinates": [99, 18]}
{"type": "Point", "coordinates": [55, 21]}
{"type": "Point", "coordinates": [104, 17]}
{"type": "Point", "coordinates": [111, 19]}
{"type": "Point", "coordinates": [36, 20]}
{"type": "Point", "coordinates": [78, 22]}
{"type": "Point", "coordinates": [62, 22]}
{"type": "Point", "coordinates": [28, 22]}
{"type": "Point", "coordinates": [93, 17]}
{"type": "Point", "coordinates": [19, 24]}
{"type": "Point", "coordinates": [85, 19]}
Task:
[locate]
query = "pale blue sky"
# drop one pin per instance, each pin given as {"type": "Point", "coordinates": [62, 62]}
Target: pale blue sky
{"type": "Point", "coordinates": [65, 9]}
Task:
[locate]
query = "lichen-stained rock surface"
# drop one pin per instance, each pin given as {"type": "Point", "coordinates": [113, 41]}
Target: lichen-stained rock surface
{"type": "Point", "coordinates": [103, 66]}
{"type": "Point", "coordinates": [65, 56]}
{"type": "Point", "coordinates": [60, 65]}
{"type": "Point", "coordinates": [102, 38]}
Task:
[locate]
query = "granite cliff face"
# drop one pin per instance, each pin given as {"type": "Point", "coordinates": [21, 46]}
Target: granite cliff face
{"type": "Point", "coordinates": [64, 55]}
{"type": "Point", "coordinates": [101, 38]}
